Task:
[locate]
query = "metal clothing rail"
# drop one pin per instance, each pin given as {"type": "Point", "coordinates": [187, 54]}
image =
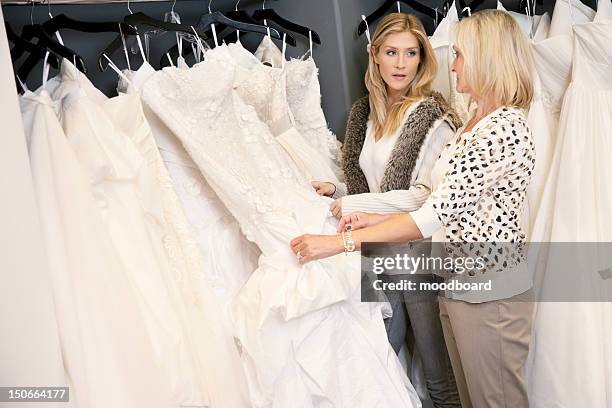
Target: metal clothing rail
{"type": "Point", "coordinates": [100, 2]}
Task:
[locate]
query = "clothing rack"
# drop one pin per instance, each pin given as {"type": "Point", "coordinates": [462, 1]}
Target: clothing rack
{"type": "Point", "coordinates": [93, 2]}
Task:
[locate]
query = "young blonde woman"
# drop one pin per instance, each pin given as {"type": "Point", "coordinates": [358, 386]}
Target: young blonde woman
{"type": "Point", "coordinates": [393, 138]}
{"type": "Point", "coordinates": [481, 181]}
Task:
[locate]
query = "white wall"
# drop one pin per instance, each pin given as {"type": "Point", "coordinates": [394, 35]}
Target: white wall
{"type": "Point", "coordinates": [29, 346]}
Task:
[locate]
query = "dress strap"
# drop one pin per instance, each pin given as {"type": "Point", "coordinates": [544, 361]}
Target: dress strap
{"type": "Point", "coordinates": [363, 17]}
{"type": "Point", "coordinates": [310, 41]}
{"type": "Point", "coordinates": [214, 31]}
{"type": "Point", "coordinates": [127, 57]}
{"type": "Point", "coordinates": [22, 84]}
{"type": "Point", "coordinates": [284, 50]}
{"type": "Point", "coordinates": [199, 40]}
{"type": "Point", "coordinates": [57, 34]}
{"type": "Point", "coordinates": [46, 68]}
{"type": "Point", "coordinates": [169, 59]}
{"type": "Point", "coordinates": [116, 69]}
{"type": "Point", "coordinates": [142, 53]}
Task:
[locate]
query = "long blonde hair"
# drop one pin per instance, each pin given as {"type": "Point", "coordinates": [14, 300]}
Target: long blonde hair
{"type": "Point", "coordinates": [497, 58]}
{"type": "Point", "coordinates": [389, 118]}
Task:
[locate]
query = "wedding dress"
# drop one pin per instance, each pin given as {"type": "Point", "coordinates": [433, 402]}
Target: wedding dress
{"type": "Point", "coordinates": [571, 339]}
{"type": "Point", "coordinates": [306, 340]}
{"type": "Point", "coordinates": [215, 230]}
{"type": "Point", "coordinates": [553, 63]}
{"type": "Point", "coordinates": [445, 80]}
{"type": "Point", "coordinates": [538, 121]}
{"type": "Point", "coordinates": [304, 99]}
{"type": "Point", "coordinates": [108, 357]}
{"type": "Point", "coordinates": [128, 199]}
{"type": "Point", "coordinates": [212, 253]}
{"type": "Point", "coordinates": [264, 88]}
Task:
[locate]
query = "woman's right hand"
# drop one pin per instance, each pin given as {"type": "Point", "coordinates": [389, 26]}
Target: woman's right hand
{"type": "Point", "coordinates": [324, 188]}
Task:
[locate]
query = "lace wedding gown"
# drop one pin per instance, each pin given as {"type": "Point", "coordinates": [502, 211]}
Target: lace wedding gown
{"type": "Point", "coordinates": [304, 99]}
{"type": "Point", "coordinates": [105, 344]}
{"type": "Point", "coordinates": [264, 88]}
{"type": "Point", "coordinates": [213, 238]}
{"type": "Point", "coordinates": [306, 340]}
{"type": "Point", "coordinates": [571, 339]}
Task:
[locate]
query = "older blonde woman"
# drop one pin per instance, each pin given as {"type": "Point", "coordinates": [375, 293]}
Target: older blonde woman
{"type": "Point", "coordinates": [394, 136]}
{"type": "Point", "coordinates": [481, 181]}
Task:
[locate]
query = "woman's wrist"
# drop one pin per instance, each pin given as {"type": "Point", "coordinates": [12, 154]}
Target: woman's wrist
{"type": "Point", "coordinates": [333, 192]}
{"type": "Point", "coordinates": [339, 241]}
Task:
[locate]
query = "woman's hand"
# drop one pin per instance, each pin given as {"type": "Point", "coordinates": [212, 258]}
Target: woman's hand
{"type": "Point", "coordinates": [360, 220]}
{"type": "Point", "coordinates": [324, 188]}
{"type": "Point", "coordinates": [336, 208]}
{"type": "Point", "coordinates": [311, 247]}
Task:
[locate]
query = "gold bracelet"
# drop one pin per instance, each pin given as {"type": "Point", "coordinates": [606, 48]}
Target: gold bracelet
{"type": "Point", "coordinates": [349, 243]}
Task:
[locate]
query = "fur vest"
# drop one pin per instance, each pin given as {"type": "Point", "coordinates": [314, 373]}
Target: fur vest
{"type": "Point", "coordinates": [419, 125]}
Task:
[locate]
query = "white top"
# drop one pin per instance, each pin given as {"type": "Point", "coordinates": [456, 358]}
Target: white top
{"type": "Point", "coordinates": [399, 200]}
{"type": "Point", "coordinates": [437, 174]}
{"type": "Point", "coordinates": [375, 155]}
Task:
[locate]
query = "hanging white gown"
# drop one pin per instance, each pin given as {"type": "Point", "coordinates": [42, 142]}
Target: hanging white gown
{"type": "Point", "coordinates": [306, 339]}
{"type": "Point", "coordinates": [108, 357]}
{"type": "Point", "coordinates": [215, 230]}
{"type": "Point", "coordinates": [212, 239]}
{"type": "Point", "coordinates": [304, 99]}
{"type": "Point", "coordinates": [570, 344]}
{"type": "Point", "coordinates": [538, 121]}
{"type": "Point", "coordinates": [445, 80]}
{"type": "Point", "coordinates": [553, 63]}
{"type": "Point", "coordinates": [264, 88]}
{"type": "Point", "coordinates": [128, 199]}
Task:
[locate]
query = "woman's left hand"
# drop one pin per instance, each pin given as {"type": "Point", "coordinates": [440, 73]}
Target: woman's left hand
{"type": "Point", "coordinates": [311, 247]}
{"type": "Point", "coordinates": [336, 208]}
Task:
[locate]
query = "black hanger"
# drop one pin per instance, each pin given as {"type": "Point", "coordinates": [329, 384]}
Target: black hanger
{"type": "Point", "coordinates": [63, 22]}
{"type": "Point", "coordinates": [29, 32]}
{"type": "Point", "coordinates": [270, 14]}
{"type": "Point", "coordinates": [140, 19]}
{"type": "Point", "coordinates": [220, 21]}
{"type": "Point", "coordinates": [27, 46]}
{"type": "Point", "coordinates": [416, 6]}
{"type": "Point", "coordinates": [36, 31]}
{"type": "Point", "coordinates": [217, 18]}
{"type": "Point", "coordinates": [241, 15]}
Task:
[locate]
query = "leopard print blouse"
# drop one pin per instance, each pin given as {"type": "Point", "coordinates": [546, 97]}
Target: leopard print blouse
{"type": "Point", "coordinates": [482, 195]}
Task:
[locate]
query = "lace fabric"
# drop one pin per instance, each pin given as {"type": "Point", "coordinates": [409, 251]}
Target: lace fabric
{"type": "Point", "coordinates": [284, 313]}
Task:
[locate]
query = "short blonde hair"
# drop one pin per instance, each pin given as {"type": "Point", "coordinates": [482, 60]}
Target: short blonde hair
{"type": "Point", "coordinates": [497, 58]}
{"type": "Point", "coordinates": [389, 119]}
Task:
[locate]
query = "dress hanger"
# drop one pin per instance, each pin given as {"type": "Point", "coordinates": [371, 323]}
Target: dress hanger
{"type": "Point", "coordinates": [265, 14]}
{"type": "Point", "coordinates": [32, 31]}
{"type": "Point", "coordinates": [241, 15]}
{"type": "Point", "coordinates": [137, 20]}
{"type": "Point", "coordinates": [388, 4]}
{"type": "Point", "coordinates": [217, 21]}
{"type": "Point", "coordinates": [29, 47]}
{"type": "Point", "coordinates": [217, 18]}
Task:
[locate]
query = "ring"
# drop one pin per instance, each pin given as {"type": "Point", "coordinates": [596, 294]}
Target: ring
{"type": "Point", "coordinates": [299, 256]}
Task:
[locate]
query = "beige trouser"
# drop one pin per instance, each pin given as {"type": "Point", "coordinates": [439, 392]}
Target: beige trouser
{"type": "Point", "coordinates": [488, 345]}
